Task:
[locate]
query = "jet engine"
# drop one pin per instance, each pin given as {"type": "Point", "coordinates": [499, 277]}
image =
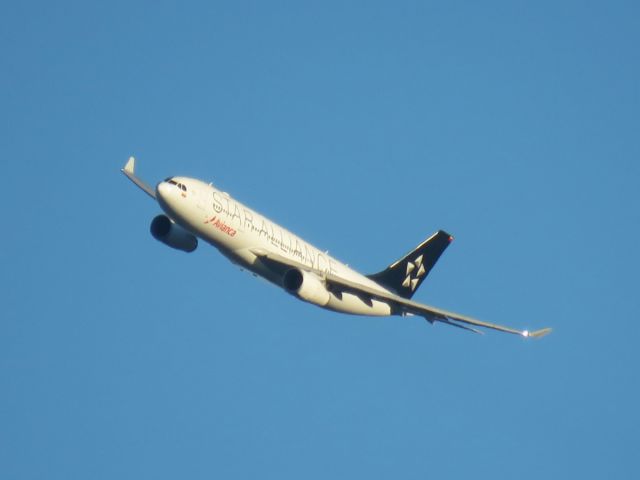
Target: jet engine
{"type": "Point", "coordinates": [307, 286]}
{"type": "Point", "coordinates": [167, 232]}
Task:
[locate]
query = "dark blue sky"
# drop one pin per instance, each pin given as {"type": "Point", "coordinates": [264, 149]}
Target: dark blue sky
{"type": "Point", "coordinates": [363, 127]}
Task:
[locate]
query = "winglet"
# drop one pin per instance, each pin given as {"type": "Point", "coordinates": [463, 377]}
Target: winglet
{"type": "Point", "coordinates": [129, 171]}
{"type": "Point", "coordinates": [537, 333]}
{"type": "Point", "coordinates": [130, 166]}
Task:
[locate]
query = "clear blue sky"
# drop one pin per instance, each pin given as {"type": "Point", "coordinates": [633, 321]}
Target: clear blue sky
{"type": "Point", "coordinates": [363, 127]}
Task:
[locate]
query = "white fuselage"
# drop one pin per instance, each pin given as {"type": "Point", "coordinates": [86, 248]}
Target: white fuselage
{"type": "Point", "coordinates": [238, 231]}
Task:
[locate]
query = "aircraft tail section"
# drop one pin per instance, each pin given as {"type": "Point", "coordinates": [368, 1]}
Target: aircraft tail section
{"type": "Point", "coordinates": [407, 274]}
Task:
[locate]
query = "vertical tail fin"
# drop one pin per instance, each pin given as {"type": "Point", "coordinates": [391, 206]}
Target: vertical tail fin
{"type": "Point", "coordinates": [405, 276]}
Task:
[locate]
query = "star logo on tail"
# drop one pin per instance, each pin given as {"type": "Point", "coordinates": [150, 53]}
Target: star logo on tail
{"type": "Point", "coordinates": [415, 272]}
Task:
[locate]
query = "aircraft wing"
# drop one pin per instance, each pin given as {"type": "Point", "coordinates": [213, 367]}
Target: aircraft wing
{"type": "Point", "coordinates": [399, 304]}
{"type": "Point", "coordinates": [129, 171]}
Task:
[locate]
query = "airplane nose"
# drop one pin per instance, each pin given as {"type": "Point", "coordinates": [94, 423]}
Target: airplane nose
{"type": "Point", "coordinates": [162, 190]}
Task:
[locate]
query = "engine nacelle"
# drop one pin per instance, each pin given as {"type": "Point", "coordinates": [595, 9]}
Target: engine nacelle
{"type": "Point", "coordinates": [307, 286]}
{"type": "Point", "coordinates": [167, 232]}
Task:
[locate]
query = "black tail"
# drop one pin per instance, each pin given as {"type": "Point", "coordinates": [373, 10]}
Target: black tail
{"type": "Point", "coordinates": [405, 276]}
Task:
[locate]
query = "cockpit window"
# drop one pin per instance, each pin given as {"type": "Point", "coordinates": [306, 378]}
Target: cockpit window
{"type": "Point", "coordinates": [171, 181]}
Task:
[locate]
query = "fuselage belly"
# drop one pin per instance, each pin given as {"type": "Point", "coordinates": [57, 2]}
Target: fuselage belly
{"type": "Point", "coordinates": [237, 231]}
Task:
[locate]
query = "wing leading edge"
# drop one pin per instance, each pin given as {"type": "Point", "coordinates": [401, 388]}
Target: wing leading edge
{"type": "Point", "coordinates": [402, 305]}
{"type": "Point", "coordinates": [129, 171]}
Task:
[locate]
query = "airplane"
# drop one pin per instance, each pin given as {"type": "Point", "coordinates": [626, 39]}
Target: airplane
{"type": "Point", "coordinates": [195, 210]}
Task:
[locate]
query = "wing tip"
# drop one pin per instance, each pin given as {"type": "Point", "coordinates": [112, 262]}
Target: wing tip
{"type": "Point", "coordinates": [130, 166]}
{"type": "Point", "coordinates": [129, 171]}
{"type": "Point", "coordinates": [537, 334]}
